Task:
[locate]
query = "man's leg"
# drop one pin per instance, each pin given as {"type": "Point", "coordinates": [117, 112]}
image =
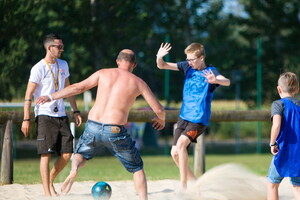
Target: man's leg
{"type": "Point", "coordinates": [59, 165]}
{"type": "Point", "coordinates": [77, 162]}
{"type": "Point", "coordinates": [272, 191]}
{"type": "Point", "coordinates": [44, 171]}
{"type": "Point", "coordinates": [140, 184]}
{"type": "Point", "coordinates": [182, 145]}
{"type": "Point", "coordinates": [174, 154]}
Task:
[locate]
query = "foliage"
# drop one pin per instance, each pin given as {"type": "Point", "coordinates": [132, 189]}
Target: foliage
{"type": "Point", "coordinates": [95, 31]}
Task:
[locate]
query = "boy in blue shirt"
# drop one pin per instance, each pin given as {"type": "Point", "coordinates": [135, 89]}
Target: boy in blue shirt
{"type": "Point", "coordinates": [199, 86]}
{"type": "Point", "coordinates": [285, 137]}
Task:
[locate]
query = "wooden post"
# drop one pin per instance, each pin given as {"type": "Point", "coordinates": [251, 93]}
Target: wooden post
{"type": "Point", "coordinates": [199, 156]}
{"type": "Point", "coordinates": [7, 155]}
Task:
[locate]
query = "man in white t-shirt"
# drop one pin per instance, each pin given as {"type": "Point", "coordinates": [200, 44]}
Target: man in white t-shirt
{"type": "Point", "coordinates": [53, 131]}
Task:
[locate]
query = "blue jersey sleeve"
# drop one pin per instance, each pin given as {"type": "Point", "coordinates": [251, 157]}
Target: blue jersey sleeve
{"type": "Point", "coordinates": [183, 66]}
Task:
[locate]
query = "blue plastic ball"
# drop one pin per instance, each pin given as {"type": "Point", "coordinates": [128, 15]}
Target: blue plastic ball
{"type": "Point", "coordinates": [101, 191]}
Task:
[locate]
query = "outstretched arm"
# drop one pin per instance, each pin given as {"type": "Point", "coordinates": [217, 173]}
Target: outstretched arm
{"type": "Point", "coordinates": [212, 79]}
{"type": "Point", "coordinates": [158, 109]}
{"type": "Point", "coordinates": [161, 64]}
{"type": "Point", "coordinates": [74, 89]}
{"type": "Point", "coordinates": [73, 104]}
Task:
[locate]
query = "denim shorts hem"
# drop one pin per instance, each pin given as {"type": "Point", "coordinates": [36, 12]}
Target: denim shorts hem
{"type": "Point", "coordinates": [134, 170]}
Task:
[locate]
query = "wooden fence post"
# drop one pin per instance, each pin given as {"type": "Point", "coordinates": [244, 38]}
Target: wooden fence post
{"type": "Point", "coordinates": [199, 156]}
{"type": "Point", "coordinates": [7, 155]}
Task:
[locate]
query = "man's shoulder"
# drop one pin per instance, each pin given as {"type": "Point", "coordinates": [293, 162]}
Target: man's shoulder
{"type": "Point", "coordinates": [39, 65]}
{"type": "Point", "coordinates": [62, 63]}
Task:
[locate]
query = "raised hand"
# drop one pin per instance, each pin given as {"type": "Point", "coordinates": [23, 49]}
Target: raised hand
{"type": "Point", "coordinates": [209, 75]}
{"type": "Point", "coordinates": [163, 50]}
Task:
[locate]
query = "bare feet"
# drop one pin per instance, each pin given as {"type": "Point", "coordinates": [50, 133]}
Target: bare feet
{"type": "Point", "coordinates": [67, 184]}
{"type": "Point", "coordinates": [53, 191]}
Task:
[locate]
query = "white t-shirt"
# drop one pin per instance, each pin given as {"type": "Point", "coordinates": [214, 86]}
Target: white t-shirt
{"type": "Point", "coordinates": [41, 75]}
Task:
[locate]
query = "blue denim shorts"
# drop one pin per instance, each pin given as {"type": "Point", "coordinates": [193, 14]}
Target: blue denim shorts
{"type": "Point", "coordinates": [115, 138]}
{"type": "Point", "coordinates": [274, 177]}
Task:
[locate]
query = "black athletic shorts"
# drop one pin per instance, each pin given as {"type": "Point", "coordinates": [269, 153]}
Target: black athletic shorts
{"type": "Point", "coordinates": [189, 129]}
{"type": "Point", "coordinates": [53, 135]}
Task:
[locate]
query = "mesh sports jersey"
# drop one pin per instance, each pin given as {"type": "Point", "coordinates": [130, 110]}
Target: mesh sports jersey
{"type": "Point", "coordinates": [287, 161]}
{"type": "Point", "coordinates": [197, 94]}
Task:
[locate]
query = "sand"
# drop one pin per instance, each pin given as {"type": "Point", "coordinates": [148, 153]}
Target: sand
{"type": "Point", "coordinates": [225, 182]}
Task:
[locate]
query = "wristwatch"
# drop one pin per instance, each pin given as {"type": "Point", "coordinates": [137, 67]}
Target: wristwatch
{"type": "Point", "coordinates": [272, 145]}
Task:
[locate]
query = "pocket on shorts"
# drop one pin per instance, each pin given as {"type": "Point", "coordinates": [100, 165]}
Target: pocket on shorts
{"type": "Point", "coordinates": [87, 138]}
{"type": "Point", "coordinates": [41, 142]}
{"type": "Point", "coordinates": [121, 142]}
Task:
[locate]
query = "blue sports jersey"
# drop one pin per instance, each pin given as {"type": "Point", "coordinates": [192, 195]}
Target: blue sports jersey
{"type": "Point", "coordinates": [197, 94]}
{"type": "Point", "coordinates": [287, 161]}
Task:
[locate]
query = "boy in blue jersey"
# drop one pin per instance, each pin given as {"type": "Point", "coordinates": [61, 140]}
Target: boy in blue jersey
{"type": "Point", "coordinates": [199, 85]}
{"type": "Point", "coordinates": [285, 137]}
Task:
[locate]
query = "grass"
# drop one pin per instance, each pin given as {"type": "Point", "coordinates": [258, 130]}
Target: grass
{"type": "Point", "coordinates": [156, 168]}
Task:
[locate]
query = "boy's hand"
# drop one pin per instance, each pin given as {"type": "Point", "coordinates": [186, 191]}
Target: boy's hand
{"type": "Point", "coordinates": [210, 76]}
{"type": "Point", "coordinates": [274, 150]}
{"type": "Point", "coordinates": [163, 50]}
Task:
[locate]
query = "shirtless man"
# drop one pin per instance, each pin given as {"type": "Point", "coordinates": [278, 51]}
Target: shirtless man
{"type": "Point", "coordinates": [117, 91]}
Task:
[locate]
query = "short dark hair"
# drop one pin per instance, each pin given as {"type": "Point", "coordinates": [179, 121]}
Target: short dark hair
{"type": "Point", "coordinates": [50, 38]}
{"type": "Point", "coordinates": [129, 57]}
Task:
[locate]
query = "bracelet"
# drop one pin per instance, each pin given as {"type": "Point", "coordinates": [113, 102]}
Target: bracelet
{"type": "Point", "coordinates": [50, 97]}
{"type": "Point", "coordinates": [27, 99]}
{"type": "Point", "coordinates": [76, 111]}
{"type": "Point", "coordinates": [26, 120]}
{"type": "Point", "coordinates": [272, 145]}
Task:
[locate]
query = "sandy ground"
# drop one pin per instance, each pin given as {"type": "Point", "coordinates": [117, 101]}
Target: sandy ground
{"type": "Point", "coordinates": [225, 182]}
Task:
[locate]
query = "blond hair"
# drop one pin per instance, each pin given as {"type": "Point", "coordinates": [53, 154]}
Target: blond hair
{"type": "Point", "coordinates": [288, 82]}
{"type": "Point", "coordinates": [196, 48]}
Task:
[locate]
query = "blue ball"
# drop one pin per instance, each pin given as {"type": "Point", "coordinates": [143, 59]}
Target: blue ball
{"type": "Point", "coordinates": [101, 191]}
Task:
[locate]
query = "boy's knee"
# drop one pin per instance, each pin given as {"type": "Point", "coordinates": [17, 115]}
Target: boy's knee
{"type": "Point", "coordinates": [182, 146]}
{"type": "Point", "coordinates": [174, 155]}
{"type": "Point", "coordinates": [66, 156]}
{"type": "Point", "coordinates": [296, 187]}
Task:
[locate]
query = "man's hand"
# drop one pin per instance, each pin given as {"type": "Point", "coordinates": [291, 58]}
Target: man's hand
{"type": "Point", "coordinates": [78, 119]}
{"type": "Point", "coordinates": [163, 50]}
{"type": "Point", "coordinates": [25, 128]}
{"type": "Point", "coordinates": [158, 124]}
{"type": "Point", "coordinates": [42, 99]}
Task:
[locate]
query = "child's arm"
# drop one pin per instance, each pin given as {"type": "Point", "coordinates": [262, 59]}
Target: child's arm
{"type": "Point", "coordinates": [161, 64]}
{"type": "Point", "coordinates": [212, 79]}
{"type": "Point", "coordinates": [274, 133]}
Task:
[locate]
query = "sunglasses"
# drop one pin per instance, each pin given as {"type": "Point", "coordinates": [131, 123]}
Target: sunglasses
{"type": "Point", "coordinates": [58, 46]}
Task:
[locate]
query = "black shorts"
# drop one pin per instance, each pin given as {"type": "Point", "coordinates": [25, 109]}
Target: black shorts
{"type": "Point", "coordinates": [53, 135]}
{"type": "Point", "coordinates": [189, 129]}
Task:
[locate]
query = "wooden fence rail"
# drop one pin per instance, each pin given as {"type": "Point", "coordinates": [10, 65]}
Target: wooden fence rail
{"type": "Point", "coordinates": [146, 116]}
{"type": "Point", "coordinates": [10, 117]}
